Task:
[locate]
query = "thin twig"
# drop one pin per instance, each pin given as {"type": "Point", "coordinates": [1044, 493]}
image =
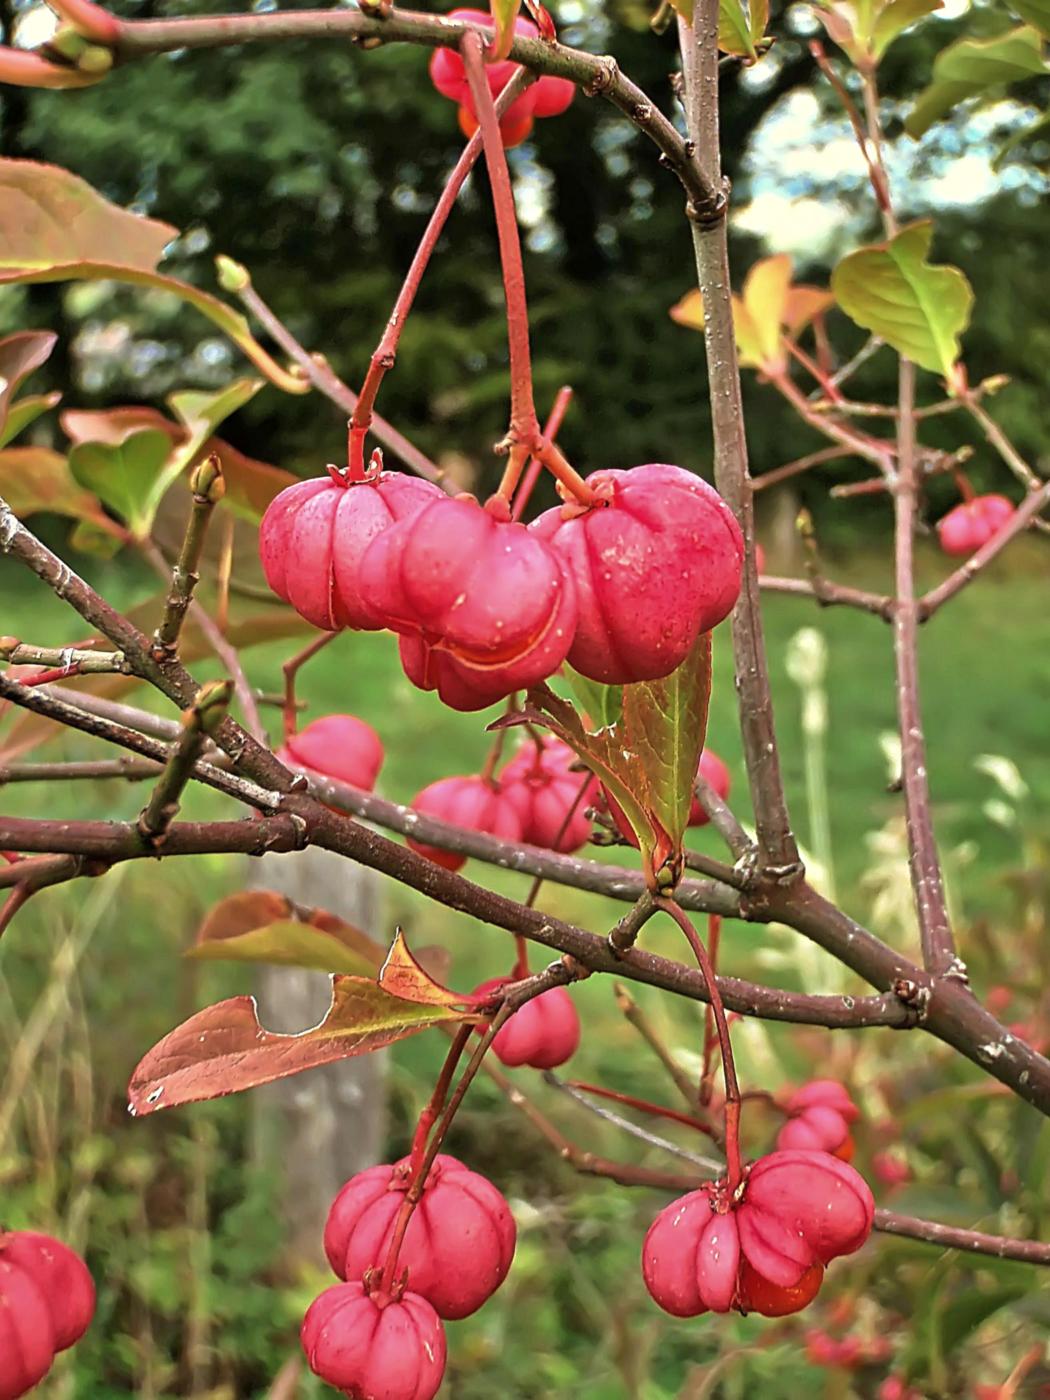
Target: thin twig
{"type": "Point", "coordinates": [72, 660]}
{"type": "Point", "coordinates": [208, 487]}
{"type": "Point", "coordinates": [831, 595]}
{"type": "Point", "coordinates": [200, 720]}
{"type": "Point", "coordinates": [636, 1017]}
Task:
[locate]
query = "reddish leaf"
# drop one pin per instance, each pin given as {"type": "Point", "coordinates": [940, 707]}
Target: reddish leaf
{"type": "Point", "coordinates": [223, 1049]}
{"type": "Point", "coordinates": [20, 355]}
{"type": "Point", "coordinates": [258, 926]}
{"type": "Point", "coordinates": [403, 976]}
{"type": "Point", "coordinates": [113, 425]}
{"type": "Point", "coordinates": [34, 479]}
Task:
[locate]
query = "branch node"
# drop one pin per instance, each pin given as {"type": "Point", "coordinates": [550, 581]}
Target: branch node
{"type": "Point", "coordinates": [914, 996]}
{"type": "Point", "coordinates": [606, 73]}
{"type": "Point", "coordinates": [709, 212]}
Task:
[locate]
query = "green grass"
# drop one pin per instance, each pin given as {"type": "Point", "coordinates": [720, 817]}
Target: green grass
{"type": "Point", "coordinates": [573, 1318]}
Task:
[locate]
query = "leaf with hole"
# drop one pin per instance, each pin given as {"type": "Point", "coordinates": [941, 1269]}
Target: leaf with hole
{"type": "Point", "coordinates": [257, 926]}
{"type": "Point", "coordinates": [891, 290]}
{"type": "Point", "coordinates": [224, 1049]}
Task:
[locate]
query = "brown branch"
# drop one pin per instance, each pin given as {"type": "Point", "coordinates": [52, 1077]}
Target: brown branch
{"type": "Point", "coordinates": [132, 769]}
{"type": "Point", "coordinates": [593, 73]}
{"type": "Point", "coordinates": [306, 822]}
{"type": "Point", "coordinates": [830, 595]}
{"type": "Point", "coordinates": [208, 488]}
{"type": "Point", "coordinates": [1025, 513]}
{"type": "Point", "coordinates": [953, 1237]}
{"type": "Point", "coordinates": [699, 45]}
{"type": "Point", "coordinates": [799, 465]}
{"type": "Point", "coordinates": [938, 945]}
{"type": "Point", "coordinates": [82, 661]}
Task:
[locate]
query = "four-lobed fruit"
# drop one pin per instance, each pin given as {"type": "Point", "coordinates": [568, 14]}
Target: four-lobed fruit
{"type": "Point", "coordinates": [543, 1033]}
{"type": "Point", "coordinates": [314, 535]}
{"type": "Point", "coordinates": [546, 97]}
{"type": "Point", "coordinates": [656, 564]}
{"type": "Point", "coordinates": [973, 523]}
{"type": "Point", "coordinates": [819, 1118]}
{"type": "Point", "coordinates": [542, 785]}
{"type": "Point", "coordinates": [476, 803]}
{"type": "Point", "coordinates": [337, 746]}
{"type": "Point", "coordinates": [47, 1301]}
{"type": "Point", "coordinates": [763, 1248]}
{"type": "Point", "coordinates": [485, 607]}
{"type": "Point", "coordinates": [460, 1238]}
{"type": "Point", "coordinates": [374, 1349]}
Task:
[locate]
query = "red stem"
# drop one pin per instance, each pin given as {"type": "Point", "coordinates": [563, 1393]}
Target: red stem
{"type": "Point", "coordinates": [524, 425]}
{"type": "Point", "coordinates": [714, 931]}
{"type": "Point", "coordinates": [428, 1117]}
{"type": "Point", "coordinates": [734, 1170]}
{"type": "Point", "coordinates": [535, 466]}
{"type": "Point", "coordinates": [291, 669]}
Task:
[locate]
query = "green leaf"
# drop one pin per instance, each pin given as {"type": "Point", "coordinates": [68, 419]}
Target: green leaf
{"type": "Point", "coordinates": [130, 476]}
{"type": "Point", "coordinates": [759, 19]}
{"type": "Point", "coordinates": [971, 67]}
{"type": "Point", "coordinates": [664, 723]}
{"type": "Point", "coordinates": [55, 228]}
{"type": "Point", "coordinates": [891, 290]}
{"type": "Point", "coordinates": [1034, 12]}
{"type": "Point", "coordinates": [34, 479]}
{"type": "Point", "coordinates": [963, 1315]}
{"type": "Point", "coordinates": [893, 19]}
{"type": "Point", "coordinates": [26, 411]}
{"type": "Point", "coordinates": [504, 13]}
{"type": "Point", "coordinates": [602, 705]}
{"type": "Point", "coordinates": [20, 355]}
{"type": "Point", "coordinates": [734, 29]}
{"type": "Point", "coordinates": [223, 1049]}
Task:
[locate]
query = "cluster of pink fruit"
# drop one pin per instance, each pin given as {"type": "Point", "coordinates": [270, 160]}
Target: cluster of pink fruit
{"type": "Point", "coordinates": [374, 1335]}
{"type": "Point", "coordinates": [818, 1119]}
{"type": "Point", "coordinates": [546, 97]}
{"type": "Point", "coordinates": [47, 1301]}
{"type": "Point", "coordinates": [620, 588]}
{"type": "Point", "coordinates": [973, 523]}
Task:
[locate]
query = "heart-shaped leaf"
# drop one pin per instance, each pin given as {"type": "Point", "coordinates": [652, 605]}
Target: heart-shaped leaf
{"type": "Point", "coordinates": [864, 29]}
{"type": "Point", "coordinates": [223, 1049]}
{"type": "Point", "coordinates": [258, 926]}
{"type": "Point", "coordinates": [891, 290]}
{"type": "Point", "coordinates": [971, 67]}
{"type": "Point", "coordinates": [55, 228]}
{"type": "Point", "coordinates": [130, 477]}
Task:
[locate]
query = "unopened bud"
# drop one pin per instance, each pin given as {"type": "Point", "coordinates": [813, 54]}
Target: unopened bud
{"type": "Point", "coordinates": [7, 646]}
{"type": "Point", "coordinates": [233, 277]}
{"type": "Point", "coordinates": [207, 481]}
{"type": "Point", "coordinates": [95, 59]}
{"type": "Point", "coordinates": [209, 708]}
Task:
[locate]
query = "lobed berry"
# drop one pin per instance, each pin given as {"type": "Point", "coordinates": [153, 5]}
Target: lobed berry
{"type": "Point", "coordinates": [375, 1350]}
{"type": "Point", "coordinates": [459, 1243]}
{"type": "Point", "coordinates": [654, 566]}
{"type": "Point", "coordinates": [314, 535]}
{"type": "Point", "coordinates": [819, 1118]}
{"type": "Point", "coordinates": [763, 1249]}
{"type": "Point", "coordinates": [47, 1301]}
{"type": "Point", "coordinates": [546, 97]}
{"type": "Point", "coordinates": [543, 1033]}
{"type": "Point", "coordinates": [473, 802]}
{"type": "Point", "coordinates": [541, 784]}
{"type": "Point", "coordinates": [484, 607]}
{"type": "Point", "coordinates": [337, 746]}
{"type": "Point", "coordinates": [973, 523]}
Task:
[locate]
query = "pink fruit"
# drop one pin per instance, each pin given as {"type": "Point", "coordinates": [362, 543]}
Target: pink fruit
{"type": "Point", "coordinates": [819, 1115]}
{"type": "Point", "coordinates": [27, 1334]}
{"type": "Point", "coordinates": [547, 97]}
{"type": "Point", "coordinates": [891, 1169]}
{"type": "Point", "coordinates": [61, 1276]}
{"type": "Point", "coordinates": [543, 1033]}
{"type": "Point", "coordinates": [374, 1352]}
{"type": "Point", "coordinates": [314, 534]}
{"type": "Point", "coordinates": [471, 802]}
{"type": "Point", "coordinates": [715, 772]}
{"type": "Point", "coordinates": [488, 607]}
{"type": "Point", "coordinates": [544, 789]}
{"type": "Point", "coordinates": [968, 526]}
{"type": "Point", "coordinates": [337, 746]}
{"type": "Point", "coordinates": [763, 1249]}
{"type": "Point", "coordinates": [654, 566]}
{"type": "Point", "coordinates": [459, 1243]}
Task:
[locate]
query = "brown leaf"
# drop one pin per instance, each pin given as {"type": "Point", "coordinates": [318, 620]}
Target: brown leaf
{"type": "Point", "coordinates": [403, 976]}
{"type": "Point", "coordinates": [223, 1049]}
{"type": "Point", "coordinates": [258, 926]}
